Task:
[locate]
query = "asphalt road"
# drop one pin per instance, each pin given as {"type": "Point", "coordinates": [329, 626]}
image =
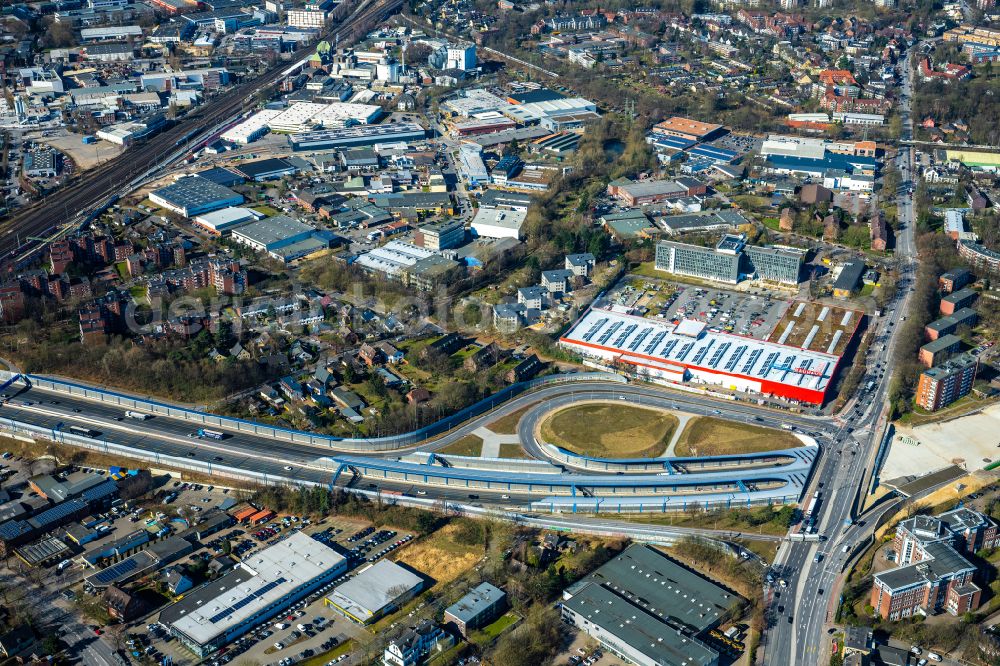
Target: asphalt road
{"type": "Point", "coordinates": [172, 437]}
{"type": "Point", "coordinates": [798, 634]}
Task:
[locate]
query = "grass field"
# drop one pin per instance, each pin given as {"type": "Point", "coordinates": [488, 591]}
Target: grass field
{"type": "Point", "coordinates": [707, 436]}
{"type": "Point", "coordinates": [507, 425]}
{"type": "Point", "coordinates": [610, 430]}
{"type": "Point", "coordinates": [470, 445]}
{"type": "Point", "coordinates": [726, 520]}
{"type": "Point", "coordinates": [440, 557]}
{"type": "Point", "coordinates": [490, 632]}
{"type": "Point", "coordinates": [512, 451]}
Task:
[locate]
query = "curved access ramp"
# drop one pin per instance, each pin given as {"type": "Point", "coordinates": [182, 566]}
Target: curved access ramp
{"type": "Point", "coordinates": [687, 465]}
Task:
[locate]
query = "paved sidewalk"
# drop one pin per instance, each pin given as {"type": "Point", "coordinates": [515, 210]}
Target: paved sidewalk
{"type": "Point", "coordinates": [683, 418]}
{"type": "Point", "coordinates": [492, 441]}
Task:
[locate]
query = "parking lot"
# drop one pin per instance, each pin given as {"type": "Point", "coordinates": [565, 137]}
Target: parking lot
{"type": "Point", "coordinates": [747, 314]}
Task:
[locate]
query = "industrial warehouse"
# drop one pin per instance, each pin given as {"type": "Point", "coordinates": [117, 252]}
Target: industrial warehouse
{"type": "Point", "coordinates": [689, 351]}
{"type": "Point", "coordinates": [257, 589]}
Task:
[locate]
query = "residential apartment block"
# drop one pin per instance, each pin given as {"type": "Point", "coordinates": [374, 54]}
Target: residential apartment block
{"type": "Point", "coordinates": [943, 384]}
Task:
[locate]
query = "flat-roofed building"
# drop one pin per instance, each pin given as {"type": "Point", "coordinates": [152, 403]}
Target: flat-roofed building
{"type": "Point", "coordinates": [697, 261]}
{"type": "Point", "coordinates": [951, 323]}
{"type": "Point", "coordinates": [702, 222]}
{"type": "Point", "coordinates": [221, 221]}
{"type": "Point", "coordinates": [662, 351]}
{"type": "Point", "coordinates": [193, 195]}
{"type": "Point", "coordinates": [260, 587]}
{"type": "Point", "coordinates": [375, 591]}
{"type": "Point", "coordinates": [945, 383]}
{"type": "Point", "coordinates": [936, 352]}
{"type": "Point", "coordinates": [360, 135]}
{"type": "Point", "coordinates": [498, 223]}
{"type": "Point", "coordinates": [730, 261]}
{"type": "Point", "coordinates": [649, 610]}
{"type": "Point", "coordinates": [483, 604]}
{"type": "Point", "coordinates": [686, 128]}
{"type": "Point", "coordinates": [441, 235]}
{"type": "Point", "coordinates": [958, 299]}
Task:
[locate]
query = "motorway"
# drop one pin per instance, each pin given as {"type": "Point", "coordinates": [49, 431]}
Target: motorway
{"type": "Point", "coordinates": [165, 436]}
{"type": "Point", "coordinates": [797, 635]}
{"type": "Point", "coordinates": [94, 188]}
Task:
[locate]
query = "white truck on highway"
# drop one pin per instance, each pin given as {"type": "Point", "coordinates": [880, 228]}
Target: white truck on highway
{"type": "Point", "coordinates": [138, 416]}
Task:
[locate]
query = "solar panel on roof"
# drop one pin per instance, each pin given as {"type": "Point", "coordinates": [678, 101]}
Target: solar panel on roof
{"type": "Point", "coordinates": [608, 333]}
{"type": "Point", "coordinates": [754, 355]}
{"type": "Point", "coordinates": [116, 571]}
{"type": "Point", "coordinates": [595, 328]}
{"type": "Point", "coordinates": [229, 610]}
{"type": "Point", "coordinates": [703, 352]}
{"type": "Point", "coordinates": [768, 363]}
{"type": "Point", "coordinates": [624, 336]}
{"type": "Point", "coordinates": [685, 350]}
{"type": "Point", "coordinates": [634, 345]}
{"type": "Point", "coordinates": [657, 339]}
{"type": "Point", "coordinates": [735, 358]}
{"type": "Point", "coordinates": [717, 356]}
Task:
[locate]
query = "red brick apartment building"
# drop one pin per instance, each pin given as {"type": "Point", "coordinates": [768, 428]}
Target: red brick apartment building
{"type": "Point", "coordinates": [933, 575]}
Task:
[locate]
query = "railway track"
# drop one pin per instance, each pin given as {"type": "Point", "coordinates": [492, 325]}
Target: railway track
{"type": "Point", "coordinates": [25, 235]}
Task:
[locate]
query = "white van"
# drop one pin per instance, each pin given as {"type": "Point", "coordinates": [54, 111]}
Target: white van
{"type": "Point", "coordinates": [64, 565]}
{"type": "Point", "coordinates": [280, 626]}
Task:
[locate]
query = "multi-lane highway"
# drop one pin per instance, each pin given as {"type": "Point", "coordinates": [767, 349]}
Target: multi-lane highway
{"type": "Point", "coordinates": [56, 412]}
{"type": "Point", "coordinates": [812, 570]}
{"type": "Point", "coordinates": [96, 186]}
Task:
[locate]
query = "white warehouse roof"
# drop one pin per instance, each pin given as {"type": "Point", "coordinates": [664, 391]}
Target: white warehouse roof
{"type": "Point", "coordinates": [303, 116]}
{"type": "Point", "coordinates": [245, 132]}
{"type": "Point", "coordinates": [268, 576]}
{"type": "Point", "coordinates": [393, 257]}
{"type": "Point", "coordinates": [661, 345]}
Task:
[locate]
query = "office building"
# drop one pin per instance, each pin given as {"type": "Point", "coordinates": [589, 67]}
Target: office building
{"type": "Point", "coordinates": [478, 608]}
{"type": "Point", "coordinates": [730, 261]}
{"type": "Point", "coordinates": [193, 195]}
{"type": "Point", "coordinates": [696, 261]}
{"type": "Point", "coordinates": [648, 610]}
{"type": "Point", "coordinates": [441, 235]}
{"type": "Point", "coordinates": [375, 591]}
{"type": "Point", "coordinates": [933, 574]}
{"type": "Point", "coordinates": [943, 384]}
{"type": "Point", "coordinates": [260, 587]}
